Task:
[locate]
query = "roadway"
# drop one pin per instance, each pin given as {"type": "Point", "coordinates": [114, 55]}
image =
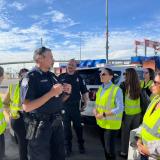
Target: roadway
{"type": "Point", "coordinates": [94, 150]}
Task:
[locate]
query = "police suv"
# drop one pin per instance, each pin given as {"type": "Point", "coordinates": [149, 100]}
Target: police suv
{"type": "Point", "coordinates": [92, 80]}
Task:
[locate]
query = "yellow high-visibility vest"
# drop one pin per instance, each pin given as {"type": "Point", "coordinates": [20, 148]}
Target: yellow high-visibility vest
{"type": "Point", "coordinates": [3, 123]}
{"type": "Point", "coordinates": [148, 85]}
{"type": "Point", "coordinates": [132, 107]}
{"type": "Point", "coordinates": [15, 106]}
{"type": "Point", "coordinates": [107, 102]}
{"type": "Point", "coordinates": [151, 123]}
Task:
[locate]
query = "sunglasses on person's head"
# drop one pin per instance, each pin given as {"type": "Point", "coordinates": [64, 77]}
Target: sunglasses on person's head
{"type": "Point", "coordinates": [145, 72]}
{"type": "Point", "coordinates": [156, 83]}
{"type": "Point", "coordinates": [103, 74]}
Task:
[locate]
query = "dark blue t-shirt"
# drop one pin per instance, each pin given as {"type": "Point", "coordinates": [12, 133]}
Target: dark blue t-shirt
{"type": "Point", "coordinates": [36, 84]}
{"type": "Point", "coordinates": [77, 83]}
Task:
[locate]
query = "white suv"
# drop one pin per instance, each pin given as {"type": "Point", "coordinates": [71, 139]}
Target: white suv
{"type": "Point", "coordinates": [92, 80]}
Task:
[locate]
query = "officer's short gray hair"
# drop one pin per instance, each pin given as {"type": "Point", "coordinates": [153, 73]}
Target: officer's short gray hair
{"type": "Point", "coordinates": [40, 52]}
{"type": "Point", "coordinates": [73, 61]}
{"type": "Point", "coordinates": [1, 71]}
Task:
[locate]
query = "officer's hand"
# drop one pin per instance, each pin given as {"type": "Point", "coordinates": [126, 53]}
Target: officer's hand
{"type": "Point", "coordinates": [56, 90]}
{"type": "Point", "coordinates": [67, 88]}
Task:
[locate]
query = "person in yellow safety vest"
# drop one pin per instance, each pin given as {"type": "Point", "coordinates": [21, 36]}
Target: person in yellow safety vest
{"type": "Point", "coordinates": [3, 123]}
{"type": "Point", "coordinates": [152, 96]}
{"type": "Point", "coordinates": [148, 75]}
{"type": "Point", "coordinates": [108, 112]}
{"type": "Point", "coordinates": [149, 137]}
{"type": "Point", "coordinates": [132, 109]}
{"type": "Point", "coordinates": [13, 107]}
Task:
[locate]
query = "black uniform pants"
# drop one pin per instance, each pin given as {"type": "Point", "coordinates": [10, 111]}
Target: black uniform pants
{"type": "Point", "coordinates": [49, 145]}
{"type": "Point", "coordinates": [143, 157]}
{"type": "Point", "coordinates": [72, 113]}
{"type": "Point", "coordinates": [2, 146]}
{"type": "Point", "coordinates": [108, 139]}
{"type": "Point", "coordinates": [18, 126]}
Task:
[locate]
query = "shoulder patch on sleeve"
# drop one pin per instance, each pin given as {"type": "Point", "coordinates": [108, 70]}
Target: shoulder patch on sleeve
{"type": "Point", "coordinates": [25, 82]}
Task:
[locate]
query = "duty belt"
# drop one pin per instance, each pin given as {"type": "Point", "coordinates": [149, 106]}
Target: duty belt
{"type": "Point", "coordinates": [44, 117]}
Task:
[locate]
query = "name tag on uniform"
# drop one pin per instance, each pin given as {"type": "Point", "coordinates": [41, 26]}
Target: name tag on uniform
{"type": "Point", "coordinates": [44, 80]}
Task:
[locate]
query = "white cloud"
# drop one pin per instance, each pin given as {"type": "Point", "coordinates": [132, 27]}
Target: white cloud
{"type": "Point", "coordinates": [59, 17]}
{"type": "Point", "coordinates": [18, 6]}
{"type": "Point", "coordinates": [21, 39]}
{"type": "Point", "coordinates": [4, 24]}
{"type": "Point", "coordinates": [18, 44]}
{"type": "Point", "coordinates": [14, 57]}
{"type": "Point", "coordinates": [35, 17]}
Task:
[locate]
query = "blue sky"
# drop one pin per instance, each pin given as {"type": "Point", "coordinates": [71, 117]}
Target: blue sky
{"type": "Point", "coordinates": [61, 23]}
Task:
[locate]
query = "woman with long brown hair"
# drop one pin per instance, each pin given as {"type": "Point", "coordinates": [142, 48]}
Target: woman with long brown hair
{"type": "Point", "coordinates": [132, 109]}
{"type": "Point", "coordinates": [148, 75]}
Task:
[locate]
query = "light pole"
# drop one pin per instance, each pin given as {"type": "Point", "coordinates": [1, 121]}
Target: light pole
{"type": "Point", "coordinates": [41, 42]}
{"type": "Point", "coordinates": [107, 31]}
{"type": "Point", "coordinates": [80, 49]}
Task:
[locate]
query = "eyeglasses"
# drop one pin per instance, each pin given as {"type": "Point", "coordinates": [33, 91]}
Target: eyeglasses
{"type": "Point", "coordinates": [156, 83]}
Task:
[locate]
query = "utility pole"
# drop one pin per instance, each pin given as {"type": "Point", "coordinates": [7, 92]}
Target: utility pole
{"type": "Point", "coordinates": [107, 47]}
{"type": "Point", "coordinates": [41, 42]}
{"type": "Point", "coordinates": [80, 45]}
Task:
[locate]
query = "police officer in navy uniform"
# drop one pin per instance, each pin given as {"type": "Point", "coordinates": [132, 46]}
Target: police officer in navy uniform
{"type": "Point", "coordinates": [42, 97]}
{"type": "Point", "coordinates": [72, 106]}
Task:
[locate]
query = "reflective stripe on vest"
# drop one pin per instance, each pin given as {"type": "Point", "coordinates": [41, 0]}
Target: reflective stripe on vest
{"type": "Point", "coordinates": [14, 91]}
{"type": "Point", "coordinates": [154, 129]}
{"type": "Point", "coordinates": [3, 123]}
{"type": "Point", "coordinates": [106, 102]}
{"type": "Point", "coordinates": [132, 107]}
{"type": "Point", "coordinates": [112, 118]}
{"type": "Point", "coordinates": [1, 110]}
{"type": "Point", "coordinates": [151, 123]}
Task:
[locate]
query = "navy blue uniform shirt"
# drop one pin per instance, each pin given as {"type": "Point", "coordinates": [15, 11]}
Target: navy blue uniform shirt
{"type": "Point", "coordinates": [77, 83]}
{"type": "Point", "coordinates": [36, 84]}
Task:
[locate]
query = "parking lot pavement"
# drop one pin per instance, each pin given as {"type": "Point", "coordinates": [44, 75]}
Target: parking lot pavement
{"type": "Point", "coordinates": [94, 150]}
